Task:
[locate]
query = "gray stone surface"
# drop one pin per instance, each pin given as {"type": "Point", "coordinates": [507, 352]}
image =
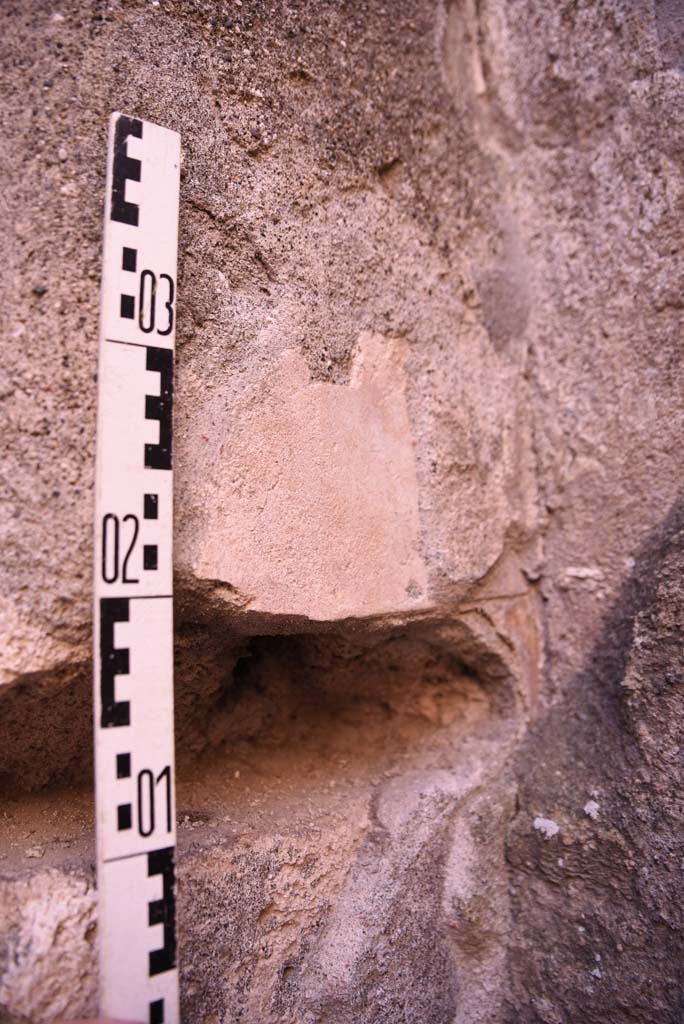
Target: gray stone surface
{"type": "Point", "coordinates": [606, 765]}
{"type": "Point", "coordinates": [429, 725]}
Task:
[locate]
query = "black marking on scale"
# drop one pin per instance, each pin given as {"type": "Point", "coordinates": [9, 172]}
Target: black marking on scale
{"type": "Point", "coordinates": [160, 407]}
{"type": "Point", "coordinates": [135, 344]}
{"type": "Point", "coordinates": [123, 766]}
{"type": "Point", "coordinates": [124, 817]}
{"type": "Point", "coordinates": [157, 407]}
{"type": "Point", "coordinates": [125, 168]}
{"type": "Point", "coordinates": [163, 911]}
{"type": "Point", "coordinates": [129, 262]}
{"type": "Point", "coordinates": [130, 259]}
{"type": "Point", "coordinates": [151, 506]}
{"type": "Point", "coordinates": [157, 1012]}
{"type": "Point", "coordinates": [114, 661]}
{"type": "Point", "coordinates": [125, 856]}
{"type": "Point", "coordinates": [150, 556]}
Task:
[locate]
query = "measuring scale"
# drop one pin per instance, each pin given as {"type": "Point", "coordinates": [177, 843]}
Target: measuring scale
{"type": "Point", "coordinates": [133, 609]}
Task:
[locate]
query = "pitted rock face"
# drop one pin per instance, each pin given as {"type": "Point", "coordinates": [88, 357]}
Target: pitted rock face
{"type": "Point", "coordinates": [308, 222]}
{"type": "Point", "coordinates": [428, 413]}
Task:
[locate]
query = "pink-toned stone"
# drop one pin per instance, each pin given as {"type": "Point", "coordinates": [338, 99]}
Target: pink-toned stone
{"type": "Point", "coordinates": [307, 502]}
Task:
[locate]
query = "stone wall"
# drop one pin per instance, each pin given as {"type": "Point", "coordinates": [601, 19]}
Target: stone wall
{"type": "Point", "coordinates": [428, 534]}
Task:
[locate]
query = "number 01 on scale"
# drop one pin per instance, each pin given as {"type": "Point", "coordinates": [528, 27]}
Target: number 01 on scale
{"type": "Point", "coordinates": [133, 609]}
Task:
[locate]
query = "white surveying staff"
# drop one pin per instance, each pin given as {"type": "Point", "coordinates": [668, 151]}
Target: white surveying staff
{"type": "Point", "coordinates": [133, 603]}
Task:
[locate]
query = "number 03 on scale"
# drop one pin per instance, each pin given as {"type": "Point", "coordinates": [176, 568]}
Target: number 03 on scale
{"type": "Point", "coordinates": [133, 612]}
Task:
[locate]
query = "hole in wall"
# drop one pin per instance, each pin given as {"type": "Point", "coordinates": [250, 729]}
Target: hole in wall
{"type": "Point", "coordinates": [266, 725]}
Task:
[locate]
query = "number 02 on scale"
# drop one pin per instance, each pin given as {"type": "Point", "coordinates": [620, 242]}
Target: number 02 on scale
{"type": "Point", "coordinates": [133, 612]}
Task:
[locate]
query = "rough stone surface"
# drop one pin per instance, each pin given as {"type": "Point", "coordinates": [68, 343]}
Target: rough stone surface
{"type": "Point", "coordinates": [46, 956]}
{"type": "Point", "coordinates": [310, 506]}
{"type": "Point", "coordinates": [428, 534]}
{"type": "Point", "coordinates": [612, 875]}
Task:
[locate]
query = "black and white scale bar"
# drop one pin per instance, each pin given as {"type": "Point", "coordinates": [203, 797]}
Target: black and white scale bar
{"type": "Point", "coordinates": [133, 612]}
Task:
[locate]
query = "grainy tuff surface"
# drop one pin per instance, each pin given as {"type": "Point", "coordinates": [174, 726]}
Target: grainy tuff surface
{"type": "Point", "coordinates": [605, 764]}
{"type": "Point", "coordinates": [428, 419]}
